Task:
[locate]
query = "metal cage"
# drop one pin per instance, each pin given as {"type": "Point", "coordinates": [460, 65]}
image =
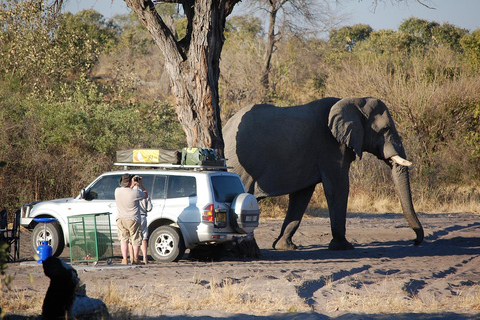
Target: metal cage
{"type": "Point", "coordinates": [90, 237]}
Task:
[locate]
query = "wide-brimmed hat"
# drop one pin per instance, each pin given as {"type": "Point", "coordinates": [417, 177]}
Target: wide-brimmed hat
{"type": "Point", "coordinates": [124, 180]}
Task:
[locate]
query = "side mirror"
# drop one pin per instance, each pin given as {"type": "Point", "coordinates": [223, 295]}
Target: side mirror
{"type": "Point", "coordinates": [82, 193]}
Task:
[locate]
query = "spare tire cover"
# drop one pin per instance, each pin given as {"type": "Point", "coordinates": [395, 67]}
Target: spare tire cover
{"type": "Point", "coordinates": [244, 213]}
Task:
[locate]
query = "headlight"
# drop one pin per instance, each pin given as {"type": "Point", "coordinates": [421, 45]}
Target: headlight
{"type": "Point", "coordinates": [26, 208]}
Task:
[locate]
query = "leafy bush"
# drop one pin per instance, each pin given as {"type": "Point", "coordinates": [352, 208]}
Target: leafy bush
{"type": "Point", "coordinates": [76, 88]}
{"type": "Point", "coordinates": [61, 129]}
{"type": "Point", "coordinates": [471, 45]}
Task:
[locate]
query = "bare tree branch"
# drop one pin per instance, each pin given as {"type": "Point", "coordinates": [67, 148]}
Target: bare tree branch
{"type": "Point", "coordinates": [423, 3]}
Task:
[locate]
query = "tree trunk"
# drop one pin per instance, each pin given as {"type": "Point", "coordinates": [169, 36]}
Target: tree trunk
{"type": "Point", "coordinates": [271, 40]}
{"type": "Point", "coordinates": [193, 64]}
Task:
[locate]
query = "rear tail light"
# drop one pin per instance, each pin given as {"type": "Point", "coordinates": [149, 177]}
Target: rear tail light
{"type": "Point", "coordinates": [208, 213]}
{"type": "Point", "coordinates": [217, 216]}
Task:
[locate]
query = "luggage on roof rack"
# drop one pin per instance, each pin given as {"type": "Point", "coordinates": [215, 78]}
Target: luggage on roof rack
{"type": "Point", "coordinates": [201, 156]}
{"type": "Point", "coordinates": [188, 159]}
{"type": "Point", "coordinates": [166, 166]}
{"type": "Point", "coordinates": [159, 155]}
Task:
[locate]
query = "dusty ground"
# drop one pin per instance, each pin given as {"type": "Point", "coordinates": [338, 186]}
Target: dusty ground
{"type": "Point", "coordinates": [385, 277]}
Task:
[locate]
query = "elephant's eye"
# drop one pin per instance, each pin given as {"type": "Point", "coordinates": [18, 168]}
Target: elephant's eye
{"type": "Point", "coordinates": [380, 123]}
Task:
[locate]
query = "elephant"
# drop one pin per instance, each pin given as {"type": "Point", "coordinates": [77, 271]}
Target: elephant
{"type": "Point", "coordinates": [289, 150]}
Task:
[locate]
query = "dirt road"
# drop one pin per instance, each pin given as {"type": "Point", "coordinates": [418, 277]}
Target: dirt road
{"type": "Point", "coordinates": [385, 277]}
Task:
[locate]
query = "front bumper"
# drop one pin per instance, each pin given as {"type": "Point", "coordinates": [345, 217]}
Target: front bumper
{"type": "Point", "coordinates": [25, 219]}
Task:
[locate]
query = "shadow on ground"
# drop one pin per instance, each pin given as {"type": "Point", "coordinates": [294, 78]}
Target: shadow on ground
{"type": "Point", "coordinates": [316, 316]}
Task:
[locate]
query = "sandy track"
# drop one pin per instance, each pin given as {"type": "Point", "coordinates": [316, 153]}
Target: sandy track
{"type": "Point", "coordinates": [437, 280]}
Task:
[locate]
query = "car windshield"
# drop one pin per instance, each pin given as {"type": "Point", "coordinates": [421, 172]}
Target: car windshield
{"type": "Point", "coordinates": [226, 188]}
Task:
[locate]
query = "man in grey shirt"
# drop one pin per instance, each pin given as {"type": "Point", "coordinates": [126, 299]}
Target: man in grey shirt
{"type": "Point", "coordinates": [128, 214]}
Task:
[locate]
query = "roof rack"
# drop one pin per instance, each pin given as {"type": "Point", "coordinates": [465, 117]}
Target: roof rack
{"type": "Point", "coordinates": [168, 166]}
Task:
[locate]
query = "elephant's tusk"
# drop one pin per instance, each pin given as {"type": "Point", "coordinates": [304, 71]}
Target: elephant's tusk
{"type": "Point", "coordinates": [403, 162]}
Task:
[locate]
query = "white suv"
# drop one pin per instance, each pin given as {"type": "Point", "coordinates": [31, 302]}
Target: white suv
{"type": "Point", "coordinates": [191, 208]}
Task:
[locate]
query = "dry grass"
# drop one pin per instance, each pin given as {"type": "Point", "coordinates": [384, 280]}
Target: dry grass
{"type": "Point", "coordinates": [448, 199]}
{"type": "Point", "coordinates": [22, 301]}
{"type": "Point", "coordinates": [386, 297]}
{"type": "Point", "coordinates": [220, 295]}
{"type": "Point", "coordinates": [389, 297]}
{"type": "Point", "coordinates": [229, 295]}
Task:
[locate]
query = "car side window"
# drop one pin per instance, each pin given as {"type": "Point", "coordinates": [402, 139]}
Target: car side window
{"type": "Point", "coordinates": [158, 190]}
{"type": "Point", "coordinates": [147, 181]}
{"type": "Point", "coordinates": [104, 188]}
{"type": "Point", "coordinates": [181, 186]}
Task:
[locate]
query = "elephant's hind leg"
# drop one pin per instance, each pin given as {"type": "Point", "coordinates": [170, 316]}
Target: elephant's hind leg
{"type": "Point", "coordinates": [297, 204]}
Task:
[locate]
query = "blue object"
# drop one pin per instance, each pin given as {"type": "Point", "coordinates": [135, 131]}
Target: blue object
{"type": "Point", "coordinates": [44, 251]}
{"type": "Point", "coordinates": [46, 220]}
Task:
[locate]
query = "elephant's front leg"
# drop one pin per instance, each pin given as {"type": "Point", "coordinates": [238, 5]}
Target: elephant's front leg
{"type": "Point", "coordinates": [297, 204]}
{"type": "Point", "coordinates": [336, 192]}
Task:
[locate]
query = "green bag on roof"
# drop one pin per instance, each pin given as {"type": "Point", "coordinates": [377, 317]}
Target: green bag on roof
{"type": "Point", "coordinates": [200, 156]}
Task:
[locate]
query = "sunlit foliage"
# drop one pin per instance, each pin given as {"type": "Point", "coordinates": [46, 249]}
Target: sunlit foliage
{"type": "Point", "coordinates": [76, 88]}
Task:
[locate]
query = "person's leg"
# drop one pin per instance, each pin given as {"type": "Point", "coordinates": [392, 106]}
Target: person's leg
{"type": "Point", "coordinates": [136, 249]}
{"type": "Point", "coordinates": [136, 240]}
{"type": "Point", "coordinates": [144, 232]}
{"type": "Point", "coordinates": [123, 236]}
{"type": "Point", "coordinates": [130, 252]}
{"type": "Point", "coordinates": [144, 251]}
{"type": "Point", "coordinates": [124, 248]}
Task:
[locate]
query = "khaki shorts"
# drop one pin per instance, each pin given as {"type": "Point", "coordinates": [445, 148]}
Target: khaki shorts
{"type": "Point", "coordinates": [129, 231]}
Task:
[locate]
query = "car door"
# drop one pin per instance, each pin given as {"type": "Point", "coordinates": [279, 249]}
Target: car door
{"type": "Point", "coordinates": [99, 198]}
{"type": "Point", "coordinates": [181, 205]}
{"type": "Point", "coordinates": [157, 195]}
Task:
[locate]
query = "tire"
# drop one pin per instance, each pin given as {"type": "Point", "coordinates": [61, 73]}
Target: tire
{"type": "Point", "coordinates": [54, 236]}
{"type": "Point", "coordinates": [166, 244]}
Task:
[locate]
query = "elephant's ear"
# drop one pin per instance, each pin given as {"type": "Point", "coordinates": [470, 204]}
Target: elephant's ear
{"type": "Point", "coordinates": [346, 122]}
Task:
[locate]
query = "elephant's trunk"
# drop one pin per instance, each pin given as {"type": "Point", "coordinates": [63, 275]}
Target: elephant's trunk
{"type": "Point", "coordinates": [402, 184]}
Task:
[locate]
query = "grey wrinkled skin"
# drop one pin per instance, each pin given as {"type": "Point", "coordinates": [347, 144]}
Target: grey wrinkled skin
{"type": "Point", "coordinates": [289, 150]}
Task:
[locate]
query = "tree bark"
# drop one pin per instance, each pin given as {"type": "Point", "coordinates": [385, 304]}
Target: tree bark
{"type": "Point", "coordinates": [271, 40]}
{"type": "Point", "coordinates": [193, 64]}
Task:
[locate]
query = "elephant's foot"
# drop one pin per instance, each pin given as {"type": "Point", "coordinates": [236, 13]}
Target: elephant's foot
{"type": "Point", "coordinates": [282, 244]}
{"type": "Point", "coordinates": [340, 245]}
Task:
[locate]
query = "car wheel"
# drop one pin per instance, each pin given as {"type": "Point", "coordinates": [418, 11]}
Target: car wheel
{"type": "Point", "coordinates": [166, 244]}
{"type": "Point", "coordinates": [53, 234]}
